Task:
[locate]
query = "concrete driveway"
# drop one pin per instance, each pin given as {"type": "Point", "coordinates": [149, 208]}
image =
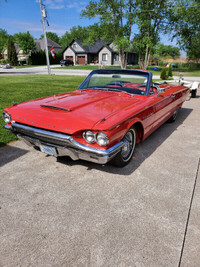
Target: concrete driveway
{"type": "Point", "coordinates": [57, 212]}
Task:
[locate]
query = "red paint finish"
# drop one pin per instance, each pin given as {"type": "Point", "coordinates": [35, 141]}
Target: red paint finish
{"type": "Point", "coordinates": [110, 112]}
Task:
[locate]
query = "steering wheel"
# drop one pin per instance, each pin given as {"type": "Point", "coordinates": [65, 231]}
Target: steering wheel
{"type": "Point", "coordinates": [142, 85]}
{"type": "Point", "coordinates": [118, 83]}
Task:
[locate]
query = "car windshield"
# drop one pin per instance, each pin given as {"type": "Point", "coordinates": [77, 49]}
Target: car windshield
{"type": "Point", "coordinates": [124, 81]}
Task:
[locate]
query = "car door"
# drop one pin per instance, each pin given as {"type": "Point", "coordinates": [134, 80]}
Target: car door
{"type": "Point", "coordinates": [162, 106]}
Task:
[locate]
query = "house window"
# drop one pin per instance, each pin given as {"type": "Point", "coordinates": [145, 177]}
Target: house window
{"type": "Point", "coordinates": [74, 45]}
{"type": "Point", "coordinates": [116, 57]}
{"type": "Point", "coordinates": [104, 57]}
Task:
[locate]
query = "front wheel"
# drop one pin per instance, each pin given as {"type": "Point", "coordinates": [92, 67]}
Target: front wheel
{"type": "Point", "coordinates": [126, 153]}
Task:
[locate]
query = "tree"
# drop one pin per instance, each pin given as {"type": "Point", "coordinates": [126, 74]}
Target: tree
{"type": "Point", "coordinates": [116, 18]}
{"type": "Point", "coordinates": [87, 34]}
{"type": "Point", "coordinates": [185, 23]}
{"type": "Point", "coordinates": [193, 50]}
{"type": "Point", "coordinates": [167, 50]}
{"type": "Point", "coordinates": [169, 72]}
{"type": "Point", "coordinates": [74, 33]}
{"type": "Point", "coordinates": [3, 39]}
{"type": "Point", "coordinates": [163, 74]}
{"type": "Point", "coordinates": [25, 42]}
{"type": "Point", "coordinates": [152, 19]}
{"type": "Point", "coordinates": [12, 55]}
{"type": "Point", "coordinates": [53, 36]}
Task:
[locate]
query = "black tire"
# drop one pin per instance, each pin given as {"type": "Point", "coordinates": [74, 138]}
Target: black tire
{"type": "Point", "coordinates": [126, 153]}
{"type": "Point", "coordinates": [173, 117]}
{"type": "Point", "coordinates": [194, 93]}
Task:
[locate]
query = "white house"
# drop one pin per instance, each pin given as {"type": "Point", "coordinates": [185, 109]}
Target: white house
{"type": "Point", "coordinates": [97, 53]}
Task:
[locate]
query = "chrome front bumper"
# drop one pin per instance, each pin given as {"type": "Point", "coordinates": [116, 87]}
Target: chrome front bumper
{"type": "Point", "coordinates": [64, 144]}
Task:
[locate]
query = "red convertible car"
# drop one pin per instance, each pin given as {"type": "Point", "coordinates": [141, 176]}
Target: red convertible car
{"type": "Point", "coordinates": [102, 120]}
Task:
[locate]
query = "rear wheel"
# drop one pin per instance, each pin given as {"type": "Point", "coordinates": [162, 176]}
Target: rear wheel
{"type": "Point", "coordinates": [126, 153]}
{"type": "Point", "coordinates": [194, 93]}
{"type": "Point", "coordinates": [173, 117]}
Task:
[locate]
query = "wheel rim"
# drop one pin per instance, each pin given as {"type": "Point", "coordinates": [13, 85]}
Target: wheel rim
{"type": "Point", "coordinates": [174, 115]}
{"type": "Point", "coordinates": [129, 145]}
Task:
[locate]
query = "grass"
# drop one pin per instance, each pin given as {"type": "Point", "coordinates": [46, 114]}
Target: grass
{"type": "Point", "coordinates": [94, 67]}
{"type": "Point", "coordinates": [26, 87]}
{"type": "Point", "coordinates": [27, 66]}
{"type": "Point", "coordinates": [87, 67]}
{"type": "Point", "coordinates": [188, 73]}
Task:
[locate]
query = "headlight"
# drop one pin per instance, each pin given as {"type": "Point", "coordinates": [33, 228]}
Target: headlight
{"type": "Point", "coordinates": [89, 137]}
{"type": "Point", "coordinates": [6, 117]}
{"type": "Point", "coordinates": [102, 139]}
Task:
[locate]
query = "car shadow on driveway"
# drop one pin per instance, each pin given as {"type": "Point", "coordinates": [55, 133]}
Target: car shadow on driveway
{"type": "Point", "coordinates": [142, 152]}
{"type": "Point", "coordinates": [10, 153]}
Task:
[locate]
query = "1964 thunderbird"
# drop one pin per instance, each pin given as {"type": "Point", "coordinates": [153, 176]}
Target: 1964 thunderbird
{"type": "Point", "coordinates": [102, 120]}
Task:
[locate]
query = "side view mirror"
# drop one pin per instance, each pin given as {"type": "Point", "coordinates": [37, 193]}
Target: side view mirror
{"type": "Point", "coordinates": [160, 91]}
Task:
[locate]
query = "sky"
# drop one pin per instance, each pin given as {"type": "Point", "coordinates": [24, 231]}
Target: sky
{"type": "Point", "coordinates": [24, 15]}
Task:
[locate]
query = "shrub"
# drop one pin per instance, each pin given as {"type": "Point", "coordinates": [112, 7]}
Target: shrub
{"type": "Point", "coordinates": [163, 74]}
{"type": "Point", "coordinates": [39, 58]}
{"type": "Point", "coordinates": [169, 73]}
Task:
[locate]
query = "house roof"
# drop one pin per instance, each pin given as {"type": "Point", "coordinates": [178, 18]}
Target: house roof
{"type": "Point", "coordinates": [92, 48]}
{"type": "Point", "coordinates": [109, 48]}
{"type": "Point", "coordinates": [95, 48]}
{"type": "Point", "coordinates": [40, 44]}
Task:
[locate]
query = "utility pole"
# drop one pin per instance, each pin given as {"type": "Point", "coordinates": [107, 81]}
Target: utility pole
{"type": "Point", "coordinates": [43, 15]}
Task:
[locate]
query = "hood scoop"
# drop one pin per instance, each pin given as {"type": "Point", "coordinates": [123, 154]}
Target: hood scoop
{"type": "Point", "coordinates": [55, 107]}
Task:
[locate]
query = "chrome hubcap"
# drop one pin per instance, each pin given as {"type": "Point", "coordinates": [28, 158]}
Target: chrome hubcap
{"type": "Point", "coordinates": [129, 143]}
{"type": "Point", "coordinates": [175, 115]}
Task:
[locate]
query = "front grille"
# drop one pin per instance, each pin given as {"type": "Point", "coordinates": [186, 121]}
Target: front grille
{"type": "Point", "coordinates": [42, 135]}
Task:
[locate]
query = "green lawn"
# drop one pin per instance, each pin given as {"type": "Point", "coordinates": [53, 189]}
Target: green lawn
{"type": "Point", "coordinates": [22, 88]}
{"type": "Point", "coordinates": [191, 73]}
{"type": "Point", "coordinates": [86, 67]}
{"type": "Point", "coordinates": [27, 66]}
{"type": "Point", "coordinates": [93, 67]}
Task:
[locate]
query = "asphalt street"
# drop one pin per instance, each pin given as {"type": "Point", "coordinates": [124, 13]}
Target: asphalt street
{"type": "Point", "coordinates": [55, 71]}
{"type": "Point", "coordinates": [43, 70]}
{"type": "Point", "coordinates": [59, 212]}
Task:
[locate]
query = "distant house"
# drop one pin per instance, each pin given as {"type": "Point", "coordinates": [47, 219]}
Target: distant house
{"type": "Point", "coordinates": [39, 45]}
{"type": "Point", "coordinates": [97, 53]}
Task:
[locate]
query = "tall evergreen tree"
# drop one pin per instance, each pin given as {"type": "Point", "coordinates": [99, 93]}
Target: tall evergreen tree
{"type": "Point", "coordinates": [3, 39]}
{"type": "Point", "coordinates": [12, 55]}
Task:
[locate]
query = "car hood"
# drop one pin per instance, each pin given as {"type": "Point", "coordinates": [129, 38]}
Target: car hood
{"type": "Point", "coordinates": [73, 111]}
